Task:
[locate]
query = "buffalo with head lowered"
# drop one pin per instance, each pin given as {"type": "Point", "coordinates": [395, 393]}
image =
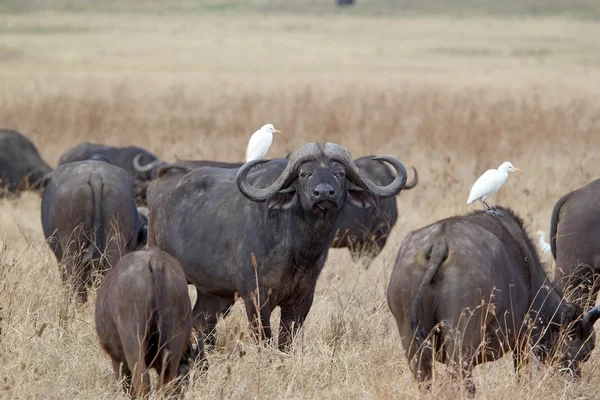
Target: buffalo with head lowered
{"type": "Point", "coordinates": [262, 234]}
{"type": "Point", "coordinates": [90, 219]}
{"type": "Point", "coordinates": [21, 166]}
{"type": "Point", "coordinates": [138, 162]}
{"type": "Point", "coordinates": [575, 243]}
{"type": "Point", "coordinates": [467, 289]}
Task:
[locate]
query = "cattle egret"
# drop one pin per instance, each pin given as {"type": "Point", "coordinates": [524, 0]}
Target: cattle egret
{"type": "Point", "coordinates": [545, 246]}
{"type": "Point", "coordinates": [489, 183]}
{"type": "Point", "coordinates": [260, 142]}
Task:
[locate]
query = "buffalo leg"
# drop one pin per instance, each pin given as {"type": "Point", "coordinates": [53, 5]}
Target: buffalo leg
{"type": "Point", "coordinates": [258, 321]}
{"type": "Point", "coordinates": [207, 311]}
{"type": "Point", "coordinates": [122, 372]}
{"type": "Point", "coordinates": [292, 318]}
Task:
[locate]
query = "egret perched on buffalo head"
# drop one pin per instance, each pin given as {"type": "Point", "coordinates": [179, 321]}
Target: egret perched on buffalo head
{"type": "Point", "coordinates": [489, 183]}
{"type": "Point", "coordinates": [260, 142]}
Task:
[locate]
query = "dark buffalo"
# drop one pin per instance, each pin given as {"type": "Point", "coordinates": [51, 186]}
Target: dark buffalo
{"type": "Point", "coordinates": [365, 231]}
{"type": "Point", "coordinates": [144, 319]}
{"type": "Point", "coordinates": [21, 166]}
{"type": "Point", "coordinates": [215, 220]}
{"type": "Point", "coordinates": [467, 289]}
{"type": "Point", "coordinates": [575, 243]}
{"type": "Point", "coordinates": [89, 216]}
{"type": "Point", "coordinates": [138, 162]}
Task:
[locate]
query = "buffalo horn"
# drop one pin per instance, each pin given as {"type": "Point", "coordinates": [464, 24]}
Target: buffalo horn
{"type": "Point", "coordinates": [144, 168]}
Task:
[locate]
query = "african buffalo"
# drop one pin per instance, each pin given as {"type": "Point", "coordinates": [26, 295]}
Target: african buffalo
{"type": "Point", "coordinates": [137, 161]}
{"type": "Point", "coordinates": [365, 231]}
{"type": "Point", "coordinates": [575, 243]}
{"type": "Point", "coordinates": [144, 319]}
{"type": "Point", "coordinates": [21, 166]}
{"type": "Point", "coordinates": [216, 221]}
{"type": "Point", "coordinates": [467, 289]}
{"type": "Point", "coordinates": [89, 215]}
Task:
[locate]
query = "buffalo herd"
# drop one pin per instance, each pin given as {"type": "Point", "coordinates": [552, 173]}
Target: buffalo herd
{"type": "Point", "coordinates": [463, 290]}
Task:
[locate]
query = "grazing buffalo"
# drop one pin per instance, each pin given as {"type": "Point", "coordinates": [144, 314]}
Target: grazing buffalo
{"type": "Point", "coordinates": [21, 166]}
{"type": "Point", "coordinates": [144, 319]}
{"type": "Point", "coordinates": [365, 231]}
{"type": "Point", "coordinates": [235, 229]}
{"type": "Point", "coordinates": [89, 215]}
{"type": "Point", "coordinates": [575, 243]}
{"type": "Point", "coordinates": [467, 289]}
{"type": "Point", "coordinates": [137, 161]}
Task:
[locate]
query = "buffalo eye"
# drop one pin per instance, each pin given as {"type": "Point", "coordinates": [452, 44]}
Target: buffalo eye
{"type": "Point", "coordinates": [303, 174]}
{"type": "Point", "coordinates": [341, 174]}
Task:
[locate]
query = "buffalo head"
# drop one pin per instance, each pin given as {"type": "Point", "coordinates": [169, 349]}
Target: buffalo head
{"type": "Point", "coordinates": [577, 340]}
{"type": "Point", "coordinates": [321, 177]}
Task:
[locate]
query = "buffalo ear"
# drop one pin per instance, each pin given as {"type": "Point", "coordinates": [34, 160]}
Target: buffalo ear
{"type": "Point", "coordinates": [281, 201]}
{"type": "Point", "coordinates": [361, 198]}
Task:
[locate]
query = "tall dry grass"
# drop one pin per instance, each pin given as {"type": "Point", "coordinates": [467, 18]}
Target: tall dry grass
{"type": "Point", "coordinates": [349, 346]}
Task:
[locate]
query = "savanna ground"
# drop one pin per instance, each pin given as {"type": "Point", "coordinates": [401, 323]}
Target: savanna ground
{"type": "Point", "coordinates": [451, 91]}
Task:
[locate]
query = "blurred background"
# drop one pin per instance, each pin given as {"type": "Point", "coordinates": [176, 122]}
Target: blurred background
{"type": "Point", "coordinates": [451, 87]}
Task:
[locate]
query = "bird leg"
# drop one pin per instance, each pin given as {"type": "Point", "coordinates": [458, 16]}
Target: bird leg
{"type": "Point", "coordinates": [485, 205]}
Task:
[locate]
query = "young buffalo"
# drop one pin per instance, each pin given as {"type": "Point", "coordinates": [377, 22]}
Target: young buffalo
{"type": "Point", "coordinates": [144, 319]}
{"type": "Point", "coordinates": [467, 289]}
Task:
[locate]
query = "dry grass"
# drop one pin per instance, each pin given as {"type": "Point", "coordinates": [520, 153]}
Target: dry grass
{"type": "Point", "coordinates": [450, 127]}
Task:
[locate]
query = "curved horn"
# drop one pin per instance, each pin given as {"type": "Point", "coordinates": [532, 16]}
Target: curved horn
{"type": "Point", "coordinates": [590, 318]}
{"type": "Point", "coordinates": [283, 181]}
{"type": "Point", "coordinates": [337, 152]}
{"type": "Point", "coordinates": [414, 181]}
{"type": "Point", "coordinates": [144, 168]}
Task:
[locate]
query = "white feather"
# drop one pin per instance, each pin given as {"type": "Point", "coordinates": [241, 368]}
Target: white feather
{"type": "Point", "coordinates": [490, 182]}
{"type": "Point", "coordinates": [259, 143]}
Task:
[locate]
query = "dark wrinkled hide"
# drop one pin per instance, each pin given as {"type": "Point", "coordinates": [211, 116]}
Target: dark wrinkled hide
{"type": "Point", "coordinates": [575, 243]}
{"type": "Point", "coordinates": [144, 319]}
{"type": "Point", "coordinates": [121, 157]}
{"type": "Point", "coordinates": [212, 229]}
{"type": "Point", "coordinates": [21, 166]}
{"type": "Point", "coordinates": [165, 174]}
{"type": "Point", "coordinates": [446, 272]}
{"type": "Point", "coordinates": [89, 218]}
{"type": "Point", "coordinates": [365, 231]}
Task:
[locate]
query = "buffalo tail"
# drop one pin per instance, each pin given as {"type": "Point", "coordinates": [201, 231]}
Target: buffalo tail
{"type": "Point", "coordinates": [554, 222]}
{"type": "Point", "coordinates": [94, 250]}
{"type": "Point", "coordinates": [436, 254]}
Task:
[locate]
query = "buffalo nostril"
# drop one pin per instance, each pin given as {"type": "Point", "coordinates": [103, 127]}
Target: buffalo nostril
{"type": "Point", "coordinates": [316, 193]}
{"type": "Point", "coordinates": [331, 192]}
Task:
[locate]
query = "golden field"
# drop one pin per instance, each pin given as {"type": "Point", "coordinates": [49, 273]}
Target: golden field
{"type": "Point", "coordinates": [452, 96]}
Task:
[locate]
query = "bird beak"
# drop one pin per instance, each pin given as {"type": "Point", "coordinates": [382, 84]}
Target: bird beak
{"type": "Point", "coordinates": [516, 169]}
{"type": "Point", "coordinates": [276, 130]}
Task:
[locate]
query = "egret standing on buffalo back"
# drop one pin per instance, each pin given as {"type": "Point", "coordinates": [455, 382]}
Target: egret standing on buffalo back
{"type": "Point", "coordinates": [260, 142]}
{"type": "Point", "coordinates": [489, 183]}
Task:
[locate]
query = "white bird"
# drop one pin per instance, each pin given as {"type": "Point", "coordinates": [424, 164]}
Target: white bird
{"type": "Point", "coordinates": [543, 244]}
{"type": "Point", "coordinates": [489, 183]}
{"type": "Point", "coordinates": [260, 142]}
